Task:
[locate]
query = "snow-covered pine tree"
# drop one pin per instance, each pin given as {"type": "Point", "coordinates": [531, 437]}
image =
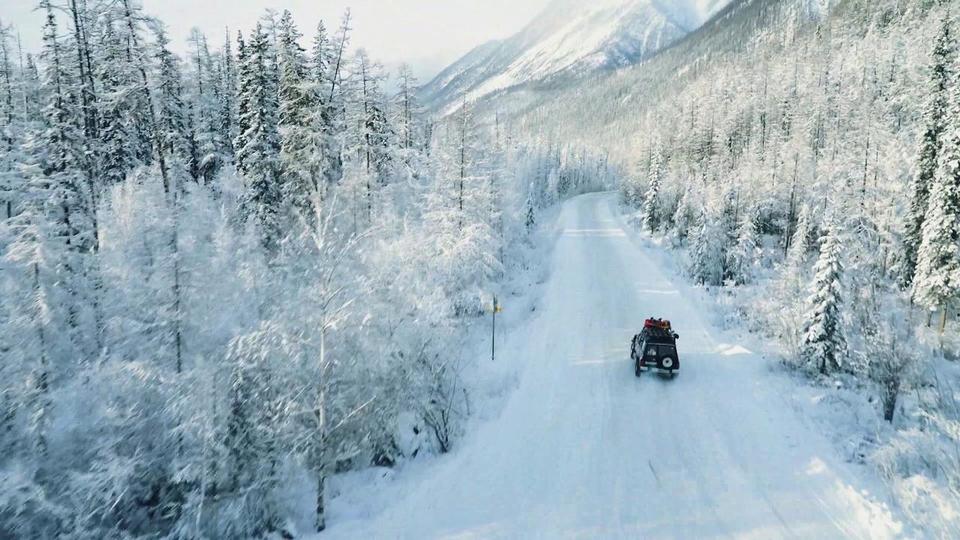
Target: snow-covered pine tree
{"type": "Point", "coordinates": [82, 20]}
{"type": "Point", "coordinates": [35, 367]}
{"type": "Point", "coordinates": [715, 234]}
{"type": "Point", "coordinates": [172, 132]}
{"type": "Point", "coordinates": [226, 98]}
{"type": "Point", "coordinates": [823, 339]}
{"type": "Point", "coordinates": [133, 72]}
{"type": "Point", "coordinates": [931, 142]}
{"type": "Point", "coordinates": [651, 200]}
{"type": "Point", "coordinates": [302, 124]}
{"type": "Point", "coordinates": [204, 93]}
{"type": "Point", "coordinates": [296, 98]}
{"type": "Point", "coordinates": [334, 101]}
{"type": "Point", "coordinates": [800, 243]}
{"type": "Point", "coordinates": [371, 134]}
{"type": "Point", "coordinates": [320, 56]}
{"type": "Point", "coordinates": [52, 237]}
{"type": "Point", "coordinates": [56, 148]}
{"type": "Point", "coordinates": [937, 281]}
{"type": "Point", "coordinates": [684, 217]}
{"type": "Point", "coordinates": [243, 95]}
{"type": "Point", "coordinates": [325, 73]}
{"type": "Point", "coordinates": [6, 83]}
{"type": "Point", "coordinates": [30, 90]}
{"type": "Point", "coordinates": [11, 127]}
{"type": "Point", "coordinates": [707, 256]}
{"type": "Point", "coordinates": [258, 146]}
{"type": "Point", "coordinates": [122, 145]}
{"type": "Point", "coordinates": [745, 255]}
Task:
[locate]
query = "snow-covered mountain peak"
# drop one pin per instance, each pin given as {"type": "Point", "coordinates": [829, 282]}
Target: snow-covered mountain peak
{"type": "Point", "coordinates": [571, 37]}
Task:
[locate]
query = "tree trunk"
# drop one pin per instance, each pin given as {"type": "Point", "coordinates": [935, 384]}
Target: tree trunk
{"type": "Point", "coordinates": [890, 394]}
{"type": "Point", "coordinates": [321, 508]}
{"type": "Point", "coordinates": [943, 318]}
{"type": "Point", "coordinates": [177, 292]}
{"type": "Point", "coordinates": [320, 454]}
{"type": "Point", "coordinates": [42, 376]}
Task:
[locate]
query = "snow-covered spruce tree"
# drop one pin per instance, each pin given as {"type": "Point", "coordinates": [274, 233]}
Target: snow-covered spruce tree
{"type": "Point", "coordinates": [172, 133]}
{"type": "Point", "coordinates": [211, 93]}
{"type": "Point", "coordinates": [258, 146]}
{"type": "Point", "coordinates": [30, 89]}
{"type": "Point", "coordinates": [82, 19]}
{"type": "Point", "coordinates": [326, 119]}
{"type": "Point", "coordinates": [651, 200]}
{"type": "Point", "coordinates": [11, 126]}
{"type": "Point", "coordinates": [823, 338]}
{"type": "Point", "coordinates": [243, 95]}
{"type": "Point", "coordinates": [51, 237]}
{"type": "Point", "coordinates": [320, 58]}
{"type": "Point", "coordinates": [707, 255]}
{"type": "Point", "coordinates": [931, 142]}
{"type": "Point", "coordinates": [937, 280]}
{"type": "Point", "coordinates": [180, 162]}
{"type": "Point", "coordinates": [799, 244]}
{"type": "Point", "coordinates": [300, 122]}
{"type": "Point", "coordinates": [744, 257]}
{"type": "Point", "coordinates": [40, 329]}
{"type": "Point", "coordinates": [56, 147]}
{"type": "Point", "coordinates": [7, 109]}
{"type": "Point", "coordinates": [327, 65]}
{"type": "Point", "coordinates": [714, 235]}
{"type": "Point", "coordinates": [684, 217]}
{"type": "Point", "coordinates": [126, 117]}
{"type": "Point", "coordinates": [226, 99]}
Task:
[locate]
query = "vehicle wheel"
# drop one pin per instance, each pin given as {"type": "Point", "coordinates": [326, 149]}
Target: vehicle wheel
{"type": "Point", "coordinates": [668, 363]}
{"type": "Point", "coordinates": [673, 374]}
{"type": "Point", "coordinates": [636, 368]}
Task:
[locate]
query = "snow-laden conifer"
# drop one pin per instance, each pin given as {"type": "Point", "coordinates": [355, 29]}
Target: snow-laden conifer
{"type": "Point", "coordinates": [935, 126]}
{"type": "Point", "coordinates": [651, 200]}
{"type": "Point", "coordinates": [937, 281]}
{"type": "Point", "coordinates": [823, 339]}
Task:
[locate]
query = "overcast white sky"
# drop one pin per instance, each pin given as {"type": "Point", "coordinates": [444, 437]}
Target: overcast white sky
{"type": "Point", "coordinates": [428, 34]}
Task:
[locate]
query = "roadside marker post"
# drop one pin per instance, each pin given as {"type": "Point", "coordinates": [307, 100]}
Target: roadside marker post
{"type": "Point", "coordinates": [497, 308]}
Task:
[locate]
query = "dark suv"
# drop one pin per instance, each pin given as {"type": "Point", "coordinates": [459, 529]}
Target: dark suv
{"type": "Point", "coordinates": [656, 348]}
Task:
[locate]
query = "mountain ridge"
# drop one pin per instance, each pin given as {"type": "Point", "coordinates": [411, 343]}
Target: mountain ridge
{"type": "Point", "coordinates": [569, 38]}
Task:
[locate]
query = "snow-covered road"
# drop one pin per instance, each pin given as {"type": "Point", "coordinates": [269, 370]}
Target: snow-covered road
{"type": "Point", "coordinates": [584, 449]}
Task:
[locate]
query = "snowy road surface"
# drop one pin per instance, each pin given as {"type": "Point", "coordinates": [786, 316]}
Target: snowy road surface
{"type": "Point", "coordinates": [583, 449]}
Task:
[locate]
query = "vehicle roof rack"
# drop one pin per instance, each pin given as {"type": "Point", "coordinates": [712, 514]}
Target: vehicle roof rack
{"type": "Point", "coordinates": [657, 323]}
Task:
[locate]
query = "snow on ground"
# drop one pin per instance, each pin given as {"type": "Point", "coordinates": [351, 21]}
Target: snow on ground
{"type": "Point", "coordinates": [581, 448]}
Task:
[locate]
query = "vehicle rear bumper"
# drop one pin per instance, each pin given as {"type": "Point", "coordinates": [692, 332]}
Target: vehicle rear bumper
{"type": "Point", "coordinates": [658, 368]}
